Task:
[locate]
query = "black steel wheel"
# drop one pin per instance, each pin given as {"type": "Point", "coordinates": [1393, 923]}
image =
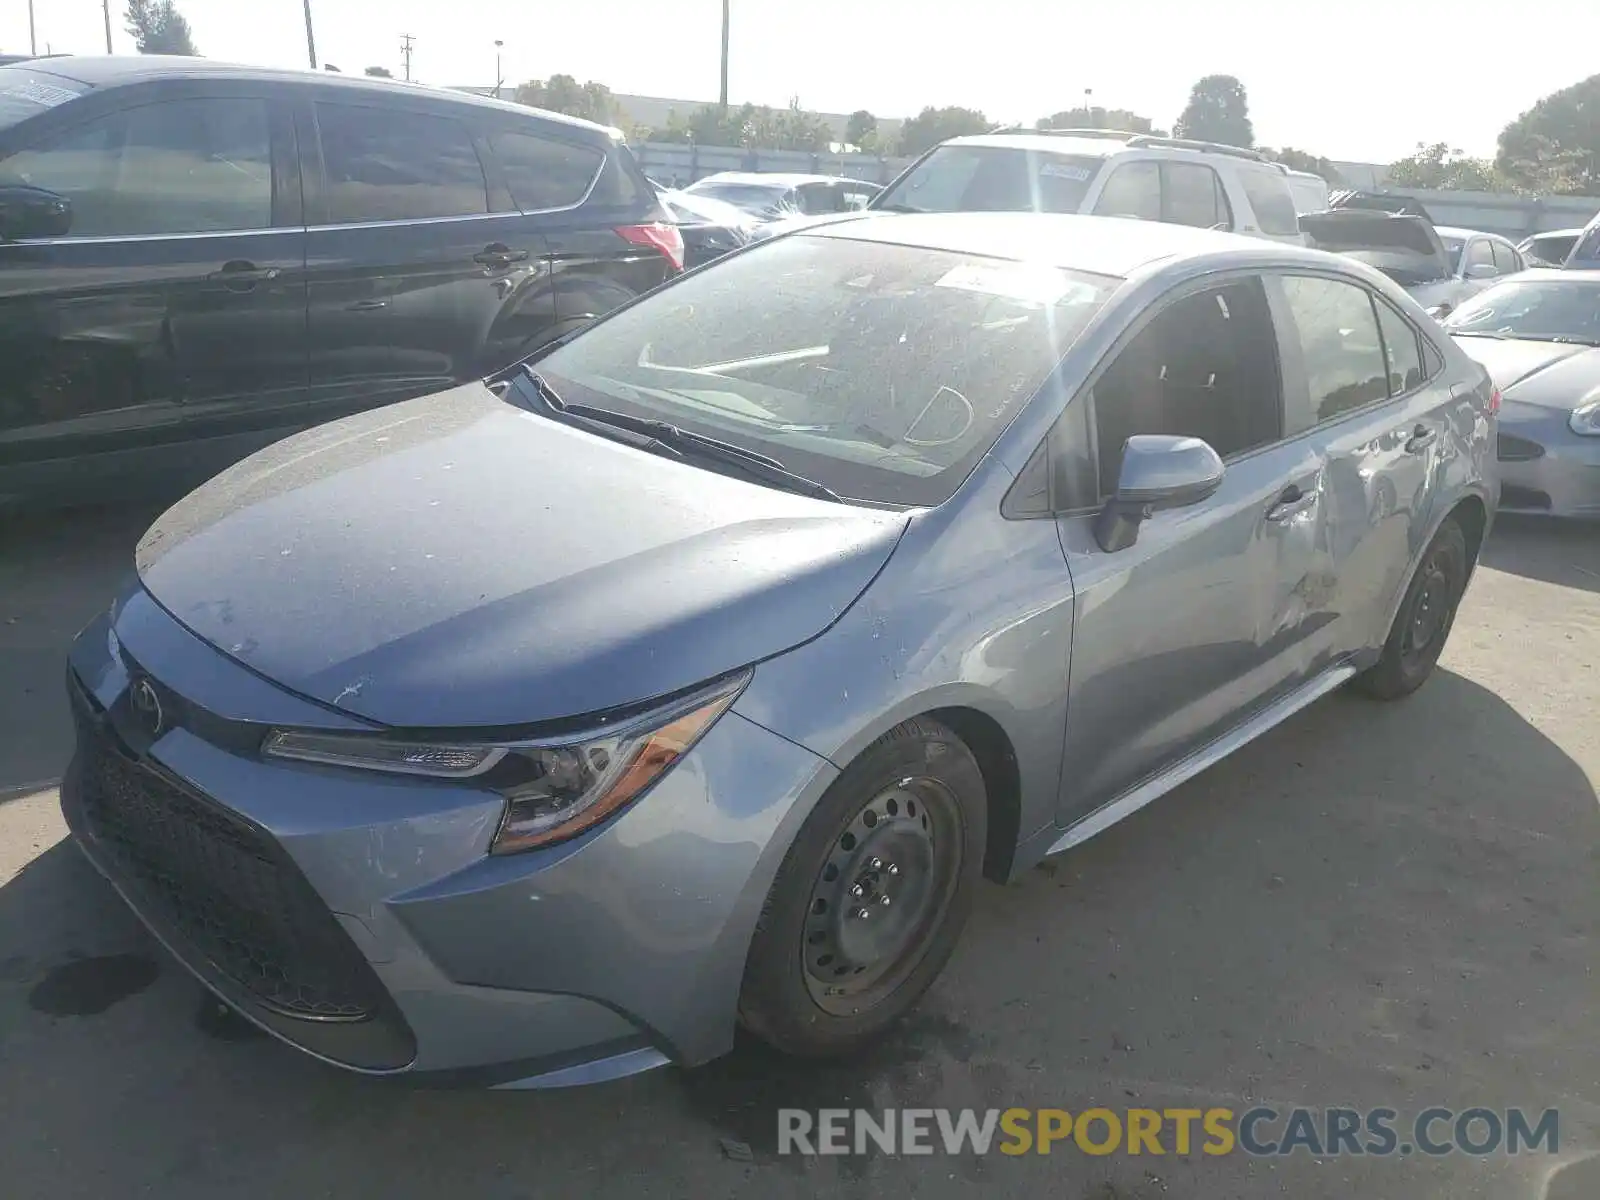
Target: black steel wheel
{"type": "Point", "coordinates": [1426, 616]}
{"type": "Point", "coordinates": [871, 897]}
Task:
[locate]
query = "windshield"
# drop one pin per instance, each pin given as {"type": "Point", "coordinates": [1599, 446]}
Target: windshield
{"type": "Point", "coordinates": [957, 178]}
{"type": "Point", "coordinates": [882, 371]}
{"type": "Point", "coordinates": [25, 94]}
{"type": "Point", "coordinates": [764, 201]}
{"type": "Point", "coordinates": [1536, 310]}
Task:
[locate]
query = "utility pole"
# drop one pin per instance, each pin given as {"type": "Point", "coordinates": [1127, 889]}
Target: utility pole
{"type": "Point", "coordinates": [33, 40]}
{"type": "Point", "coordinates": [499, 76]}
{"type": "Point", "coordinates": [723, 95]}
{"type": "Point", "coordinates": [406, 42]}
{"type": "Point", "coordinates": [106, 8]}
{"type": "Point", "coordinates": [311, 41]}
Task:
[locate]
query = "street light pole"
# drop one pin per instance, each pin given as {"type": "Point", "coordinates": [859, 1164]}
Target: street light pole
{"type": "Point", "coordinates": [106, 8]}
{"type": "Point", "coordinates": [499, 78]}
{"type": "Point", "coordinates": [33, 40]}
{"type": "Point", "coordinates": [311, 41]}
{"type": "Point", "coordinates": [723, 94]}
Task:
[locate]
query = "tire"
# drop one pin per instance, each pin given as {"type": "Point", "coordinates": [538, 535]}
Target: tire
{"type": "Point", "coordinates": [821, 980]}
{"type": "Point", "coordinates": [1428, 610]}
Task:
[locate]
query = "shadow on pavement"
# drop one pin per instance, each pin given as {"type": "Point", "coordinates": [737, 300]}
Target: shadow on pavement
{"type": "Point", "coordinates": [57, 570]}
{"type": "Point", "coordinates": [1562, 552]}
{"type": "Point", "coordinates": [1375, 905]}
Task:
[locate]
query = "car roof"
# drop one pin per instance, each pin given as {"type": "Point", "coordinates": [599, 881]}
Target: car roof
{"type": "Point", "coordinates": [98, 71]}
{"type": "Point", "coordinates": [1099, 245]}
{"type": "Point", "coordinates": [1091, 147]}
{"type": "Point", "coordinates": [778, 178]}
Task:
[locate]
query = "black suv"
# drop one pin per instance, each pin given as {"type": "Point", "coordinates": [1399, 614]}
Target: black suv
{"type": "Point", "coordinates": [196, 259]}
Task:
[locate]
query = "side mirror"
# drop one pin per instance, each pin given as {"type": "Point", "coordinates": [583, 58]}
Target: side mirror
{"type": "Point", "coordinates": [1482, 271]}
{"type": "Point", "coordinates": [30, 212]}
{"type": "Point", "coordinates": [1159, 472]}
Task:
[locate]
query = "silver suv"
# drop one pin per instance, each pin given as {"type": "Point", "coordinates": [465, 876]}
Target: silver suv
{"type": "Point", "coordinates": [1104, 173]}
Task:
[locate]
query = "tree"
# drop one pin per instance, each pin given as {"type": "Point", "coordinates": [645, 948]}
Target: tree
{"type": "Point", "coordinates": [1097, 118]}
{"type": "Point", "coordinates": [862, 129]}
{"type": "Point", "coordinates": [157, 27]}
{"type": "Point", "coordinates": [380, 72]}
{"type": "Point", "coordinates": [1218, 111]}
{"type": "Point", "coordinates": [1301, 160]}
{"type": "Point", "coordinates": [1438, 167]}
{"type": "Point", "coordinates": [1555, 145]}
{"type": "Point", "coordinates": [934, 125]}
{"type": "Point", "coordinates": [564, 94]}
{"type": "Point", "coordinates": [750, 127]}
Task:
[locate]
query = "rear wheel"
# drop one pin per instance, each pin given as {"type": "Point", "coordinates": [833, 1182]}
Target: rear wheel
{"type": "Point", "coordinates": [1424, 621]}
{"type": "Point", "coordinates": [871, 897]}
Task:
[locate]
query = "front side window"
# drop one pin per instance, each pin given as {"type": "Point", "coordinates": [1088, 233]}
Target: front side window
{"type": "Point", "coordinates": [387, 165]}
{"type": "Point", "coordinates": [1205, 367]}
{"type": "Point", "coordinates": [1343, 351]}
{"type": "Point", "coordinates": [1132, 190]}
{"type": "Point", "coordinates": [544, 173]}
{"type": "Point", "coordinates": [883, 371]}
{"type": "Point", "coordinates": [961, 178]}
{"type": "Point", "coordinates": [1269, 195]}
{"type": "Point", "coordinates": [184, 166]}
{"type": "Point", "coordinates": [1506, 260]}
{"type": "Point", "coordinates": [1480, 253]}
{"type": "Point", "coordinates": [1192, 195]}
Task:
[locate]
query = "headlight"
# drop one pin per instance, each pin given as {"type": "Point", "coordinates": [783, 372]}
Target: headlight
{"type": "Point", "coordinates": [554, 788]}
{"type": "Point", "coordinates": [1585, 419]}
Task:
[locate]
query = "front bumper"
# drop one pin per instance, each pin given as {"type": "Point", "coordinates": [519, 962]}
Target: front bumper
{"type": "Point", "coordinates": [1545, 468]}
{"type": "Point", "coordinates": [359, 918]}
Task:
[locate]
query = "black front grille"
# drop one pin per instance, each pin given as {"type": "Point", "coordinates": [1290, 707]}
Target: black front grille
{"type": "Point", "coordinates": [227, 888]}
{"type": "Point", "coordinates": [1510, 448]}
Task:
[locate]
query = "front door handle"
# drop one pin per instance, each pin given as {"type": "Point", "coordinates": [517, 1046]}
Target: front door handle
{"type": "Point", "coordinates": [1291, 502]}
{"type": "Point", "coordinates": [498, 255]}
{"type": "Point", "coordinates": [1421, 438]}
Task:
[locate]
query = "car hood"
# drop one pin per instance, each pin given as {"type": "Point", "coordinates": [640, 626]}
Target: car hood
{"type": "Point", "coordinates": [797, 223]}
{"type": "Point", "coordinates": [459, 561]}
{"type": "Point", "coordinates": [1545, 374]}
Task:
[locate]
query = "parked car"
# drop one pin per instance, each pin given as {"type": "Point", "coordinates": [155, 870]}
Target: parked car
{"type": "Point", "coordinates": [1309, 190]}
{"type": "Point", "coordinates": [1550, 248]}
{"type": "Point", "coordinates": [709, 227]}
{"type": "Point", "coordinates": [169, 302]}
{"type": "Point", "coordinates": [694, 672]}
{"type": "Point", "coordinates": [1103, 172]}
{"type": "Point", "coordinates": [772, 197]}
{"type": "Point", "coordinates": [1440, 266]}
{"type": "Point", "coordinates": [1538, 333]}
{"type": "Point", "coordinates": [1586, 251]}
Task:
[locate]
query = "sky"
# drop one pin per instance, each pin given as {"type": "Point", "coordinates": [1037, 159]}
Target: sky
{"type": "Point", "coordinates": [1354, 80]}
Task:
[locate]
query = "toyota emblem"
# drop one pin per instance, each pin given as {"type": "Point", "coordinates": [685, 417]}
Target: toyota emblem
{"type": "Point", "coordinates": [147, 707]}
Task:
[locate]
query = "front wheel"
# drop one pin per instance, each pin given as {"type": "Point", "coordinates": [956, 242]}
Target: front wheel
{"type": "Point", "coordinates": [871, 897]}
{"type": "Point", "coordinates": [1424, 621]}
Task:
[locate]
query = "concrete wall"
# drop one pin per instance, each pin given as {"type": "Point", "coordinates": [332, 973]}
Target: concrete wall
{"type": "Point", "coordinates": [1513, 216]}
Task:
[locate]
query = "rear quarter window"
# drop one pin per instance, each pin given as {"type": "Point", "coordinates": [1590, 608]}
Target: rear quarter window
{"type": "Point", "coordinates": [545, 172]}
{"type": "Point", "coordinates": [1268, 193]}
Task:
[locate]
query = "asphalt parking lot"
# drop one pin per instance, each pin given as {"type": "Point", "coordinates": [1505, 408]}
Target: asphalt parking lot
{"type": "Point", "coordinates": [1373, 906]}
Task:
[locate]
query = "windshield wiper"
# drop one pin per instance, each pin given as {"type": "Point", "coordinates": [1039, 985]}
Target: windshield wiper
{"type": "Point", "coordinates": [1567, 339]}
{"type": "Point", "coordinates": [664, 436]}
{"type": "Point", "coordinates": [547, 402]}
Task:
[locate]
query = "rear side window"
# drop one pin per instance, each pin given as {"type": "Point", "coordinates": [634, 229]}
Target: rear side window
{"type": "Point", "coordinates": [1268, 193]}
{"type": "Point", "coordinates": [544, 173]}
{"type": "Point", "coordinates": [1192, 195]}
{"type": "Point", "coordinates": [1402, 350]}
{"type": "Point", "coordinates": [1342, 348]}
{"type": "Point", "coordinates": [184, 166]}
{"type": "Point", "coordinates": [1132, 190]}
{"type": "Point", "coordinates": [386, 165]}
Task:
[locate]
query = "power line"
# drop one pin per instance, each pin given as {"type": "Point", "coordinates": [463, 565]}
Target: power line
{"type": "Point", "coordinates": [406, 42]}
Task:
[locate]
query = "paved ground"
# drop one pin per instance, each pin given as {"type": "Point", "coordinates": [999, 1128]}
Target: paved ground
{"type": "Point", "coordinates": [1375, 905]}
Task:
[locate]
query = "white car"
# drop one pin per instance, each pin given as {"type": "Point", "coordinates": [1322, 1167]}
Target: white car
{"type": "Point", "coordinates": [1101, 172]}
{"type": "Point", "coordinates": [1439, 265]}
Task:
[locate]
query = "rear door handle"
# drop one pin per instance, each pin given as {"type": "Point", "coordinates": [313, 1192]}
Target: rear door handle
{"type": "Point", "coordinates": [498, 255]}
{"type": "Point", "coordinates": [242, 275]}
{"type": "Point", "coordinates": [1421, 438]}
{"type": "Point", "coordinates": [1291, 502]}
{"type": "Point", "coordinates": [367, 305]}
